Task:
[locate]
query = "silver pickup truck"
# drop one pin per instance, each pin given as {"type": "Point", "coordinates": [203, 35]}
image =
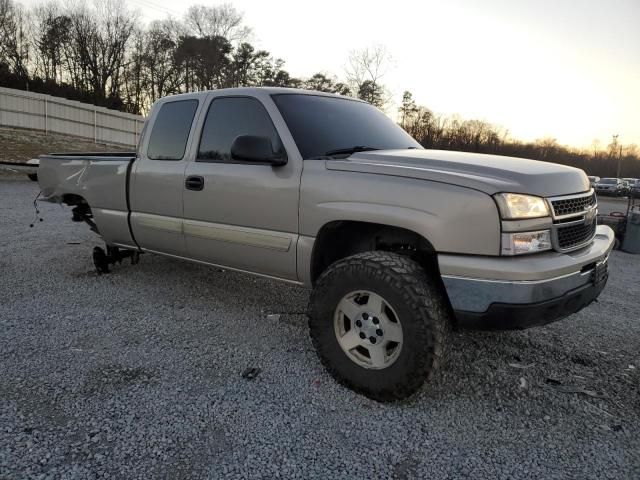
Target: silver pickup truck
{"type": "Point", "coordinates": [398, 243]}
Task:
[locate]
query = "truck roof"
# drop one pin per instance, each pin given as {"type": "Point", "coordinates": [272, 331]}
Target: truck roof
{"type": "Point", "coordinates": [259, 91]}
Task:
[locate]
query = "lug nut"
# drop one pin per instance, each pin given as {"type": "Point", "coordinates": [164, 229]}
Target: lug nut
{"type": "Point", "coordinates": [365, 316]}
{"type": "Point", "coordinates": [363, 336]}
{"type": "Point", "coordinates": [372, 339]}
{"type": "Point", "coordinates": [379, 332]}
{"type": "Point", "coordinates": [376, 321]}
{"type": "Point", "coordinates": [358, 323]}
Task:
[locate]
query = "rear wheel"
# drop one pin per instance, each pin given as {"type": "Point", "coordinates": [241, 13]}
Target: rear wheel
{"type": "Point", "coordinates": [100, 260]}
{"type": "Point", "coordinates": [379, 324]}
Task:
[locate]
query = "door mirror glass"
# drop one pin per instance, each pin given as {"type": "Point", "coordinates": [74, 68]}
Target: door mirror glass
{"type": "Point", "coordinates": [253, 148]}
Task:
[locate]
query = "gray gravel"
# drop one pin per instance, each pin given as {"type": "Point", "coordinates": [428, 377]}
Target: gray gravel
{"type": "Point", "coordinates": [138, 375]}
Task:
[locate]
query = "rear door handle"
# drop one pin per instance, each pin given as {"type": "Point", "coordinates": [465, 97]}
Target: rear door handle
{"type": "Point", "coordinates": [194, 182]}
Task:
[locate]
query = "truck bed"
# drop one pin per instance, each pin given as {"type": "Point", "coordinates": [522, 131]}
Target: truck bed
{"type": "Point", "coordinates": [97, 180]}
{"type": "Point", "coordinates": [100, 178]}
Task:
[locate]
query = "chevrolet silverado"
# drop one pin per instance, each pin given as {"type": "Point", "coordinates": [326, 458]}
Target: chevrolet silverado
{"type": "Point", "coordinates": [399, 244]}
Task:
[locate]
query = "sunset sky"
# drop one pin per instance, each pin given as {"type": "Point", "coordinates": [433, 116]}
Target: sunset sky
{"type": "Point", "coordinates": [568, 69]}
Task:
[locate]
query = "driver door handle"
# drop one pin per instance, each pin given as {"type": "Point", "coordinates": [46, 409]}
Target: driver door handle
{"type": "Point", "coordinates": [194, 182]}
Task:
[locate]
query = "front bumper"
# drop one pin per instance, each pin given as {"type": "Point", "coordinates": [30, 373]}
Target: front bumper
{"type": "Point", "coordinates": [521, 292]}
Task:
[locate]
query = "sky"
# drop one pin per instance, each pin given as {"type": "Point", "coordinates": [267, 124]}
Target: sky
{"type": "Point", "coordinates": [566, 69]}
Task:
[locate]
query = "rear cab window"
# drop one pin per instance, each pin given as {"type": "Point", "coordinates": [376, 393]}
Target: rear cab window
{"type": "Point", "coordinates": [170, 132]}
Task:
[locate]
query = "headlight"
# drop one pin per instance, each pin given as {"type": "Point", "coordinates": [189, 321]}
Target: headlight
{"type": "Point", "coordinates": [516, 206]}
{"type": "Point", "coordinates": [518, 243]}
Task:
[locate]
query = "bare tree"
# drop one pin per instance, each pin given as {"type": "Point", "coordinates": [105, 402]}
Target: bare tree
{"type": "Point", "coordinates": [365, 70]}
{"type": "Point", "coordinates": [52, 35]}
{"type": "Point", "coordinates": [547, 146]}
{"type": "Point", "coordinates": [100, 39]}
{"type": "Point", "coordinates": [160, 44]}
{"type": "Point", "coordinates": [217, 21]}
{"type": "Point", "coordinates": [14, 38]}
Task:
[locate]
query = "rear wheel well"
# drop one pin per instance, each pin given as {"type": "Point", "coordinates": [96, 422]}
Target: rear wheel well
{"type": "Point", "coordinates": [340, 239]}
{"type": "Point", "coordinates": [81, 210]}
{"type": "Point", "coordinates": [72, 199]}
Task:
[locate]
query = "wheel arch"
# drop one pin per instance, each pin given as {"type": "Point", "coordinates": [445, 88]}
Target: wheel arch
{"type": "Point", "coordinates": [341, 238]}
{"type": "Point", "coordinates": [73, 199]}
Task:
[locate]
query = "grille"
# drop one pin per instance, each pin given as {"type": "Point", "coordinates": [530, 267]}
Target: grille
{"type": "Point", "coordinates": [574, 235]}
{"type": "Point", "coordinates": [573, 205]}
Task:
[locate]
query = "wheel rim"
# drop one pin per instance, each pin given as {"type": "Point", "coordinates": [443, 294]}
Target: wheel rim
{"type": "Point", "coordinates": [368, 330]}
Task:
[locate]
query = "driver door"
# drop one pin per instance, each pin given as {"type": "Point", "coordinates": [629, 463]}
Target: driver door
{"type": "Point", "coordinates": [237, 214]}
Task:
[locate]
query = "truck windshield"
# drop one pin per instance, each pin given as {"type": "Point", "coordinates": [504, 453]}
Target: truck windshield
{"type": "Point", "coordinates": [609, 181]}
{"type": "Point", "coordinates": [322, 126]}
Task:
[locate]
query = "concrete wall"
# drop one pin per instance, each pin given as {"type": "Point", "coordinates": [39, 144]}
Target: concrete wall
{"type": "Point", "coordinates": [36, 111]}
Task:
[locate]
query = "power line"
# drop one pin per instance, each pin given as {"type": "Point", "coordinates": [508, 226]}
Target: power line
{"type": "Point", "coordinates": [155, 6]}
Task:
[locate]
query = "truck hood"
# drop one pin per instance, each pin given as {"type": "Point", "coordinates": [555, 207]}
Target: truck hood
{"type": "Point", "coordinates": [488, 173]}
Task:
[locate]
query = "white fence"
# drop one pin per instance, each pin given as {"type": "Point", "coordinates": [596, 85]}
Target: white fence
{"type": "Point", "coordinates": [36, 111]}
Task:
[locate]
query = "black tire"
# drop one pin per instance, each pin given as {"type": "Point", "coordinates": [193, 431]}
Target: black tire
{"type": "Point", "coordinates": [419, 303]}
{"type": "Point", "coordinates": [100, 260]}
{"type": "Point", "coordinates": [33, 177]}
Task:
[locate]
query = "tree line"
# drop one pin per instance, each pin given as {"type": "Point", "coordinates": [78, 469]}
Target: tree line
{"type": "Point", "coordinates": [102, 53]}
{"type": "Point", "coordinates": [451, 132]}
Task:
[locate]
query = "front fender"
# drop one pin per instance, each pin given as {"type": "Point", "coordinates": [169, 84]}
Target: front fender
{"type": "Point", "coordinates": [453, 219]}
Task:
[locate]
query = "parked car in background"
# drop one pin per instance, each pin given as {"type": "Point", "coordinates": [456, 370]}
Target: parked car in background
{"type": "Point", "coordinates": [610, 186]}
{"type": "Point", "coordinates": [635, 188]}
{"type": "Point", "coordinates": [593, 180]}
{"type": "Point", "coordinates": [631, 182]}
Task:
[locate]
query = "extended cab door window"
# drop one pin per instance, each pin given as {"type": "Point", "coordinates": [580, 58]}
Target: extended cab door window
{"type": "Point", "coordinates": [170, 132]}
{"type": "Point", "coordinates": [230, 117]}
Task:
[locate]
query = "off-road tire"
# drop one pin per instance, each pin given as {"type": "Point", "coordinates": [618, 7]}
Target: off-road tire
{"type": "Point", "coordinates": [421, 307]}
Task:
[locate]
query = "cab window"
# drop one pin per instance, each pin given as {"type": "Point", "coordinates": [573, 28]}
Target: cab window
{"type": "Point", "coordinates": [168, 140]}
{"type": "Point", "coordinates": [230, 117]}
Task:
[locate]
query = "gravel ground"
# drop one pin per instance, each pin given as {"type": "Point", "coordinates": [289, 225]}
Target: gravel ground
{"type": "Point", "coordinates": [137, 374]}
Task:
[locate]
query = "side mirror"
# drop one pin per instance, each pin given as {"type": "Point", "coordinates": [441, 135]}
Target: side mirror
{"type": "Point", "coordinates": [252, 148]}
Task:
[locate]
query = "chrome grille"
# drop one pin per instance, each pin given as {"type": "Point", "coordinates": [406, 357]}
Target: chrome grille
{"type": "Point", "coordinates": [574, 220]}
{"type": "Point", "coordinates": [573, 204]}
{"type": "Point", "coordinates": [575, 235]}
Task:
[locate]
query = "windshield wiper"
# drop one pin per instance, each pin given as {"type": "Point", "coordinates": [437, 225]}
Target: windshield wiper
{"type": "Point", "coordinates": [357, 148]}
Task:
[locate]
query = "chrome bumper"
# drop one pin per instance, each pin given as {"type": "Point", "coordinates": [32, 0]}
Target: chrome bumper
{"type": "Point", "coordinates": [531, 279]}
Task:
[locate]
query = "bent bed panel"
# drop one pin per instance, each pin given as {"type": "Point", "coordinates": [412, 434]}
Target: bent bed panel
{"type": "Point", "coordinates": [100, 181]}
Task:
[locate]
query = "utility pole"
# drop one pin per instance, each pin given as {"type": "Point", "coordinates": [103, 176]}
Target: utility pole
{"type": "Point", "coordinates": [619, 161]}
{"type": "Point", "coordinates": [615, 144]}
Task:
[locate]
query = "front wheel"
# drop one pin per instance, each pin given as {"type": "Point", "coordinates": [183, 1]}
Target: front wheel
{"type": "Point", "coordinates": [379, 324]}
